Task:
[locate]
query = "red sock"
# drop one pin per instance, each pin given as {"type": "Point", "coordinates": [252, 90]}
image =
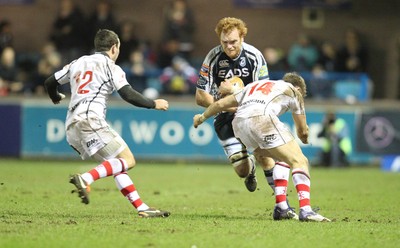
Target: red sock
{"type": "Point", "coordinates": [302, 182]}
{"type": "Point", "coordinates": [281, 177]}
{"type": "Point", "coordinates": [280, 190]}
{"type": "Point", "coordinates": [127, 188]}
{"type": "Point", "coordinates": [107, 168]}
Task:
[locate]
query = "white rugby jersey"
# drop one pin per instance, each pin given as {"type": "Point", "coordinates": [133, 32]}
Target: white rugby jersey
{"type": "Point", "coordinates": [269, 97]}
{"type": "Point", "coordinates": [250, 66]}
{"type": "Point", "coordinates": [92, 79]}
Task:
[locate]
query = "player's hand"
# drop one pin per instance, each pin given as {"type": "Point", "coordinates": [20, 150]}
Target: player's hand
{"type": "Point", "coordinates": [198, 119]}
{"type": "Point", "coordinates": [59, 98]}
{"type": "Point", "coordinates": [303, 135]}
{"type": "Point", "coordinates": [225, 88]}
{"type": "Point", "coordinates": [232, 109]}
{"type": "Point", "coordinates": [304, 139]}
{"type": "Point", "coordinates": [161, 104]}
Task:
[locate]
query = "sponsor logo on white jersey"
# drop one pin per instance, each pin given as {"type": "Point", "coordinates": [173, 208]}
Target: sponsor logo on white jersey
{"type": "Point", "coordinates": [91, 142]}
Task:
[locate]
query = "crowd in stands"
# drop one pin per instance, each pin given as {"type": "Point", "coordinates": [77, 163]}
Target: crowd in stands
{"type": "Point", "coordinates": [321, 62]}
{"type": "Point", "coordinates": [168, 66]}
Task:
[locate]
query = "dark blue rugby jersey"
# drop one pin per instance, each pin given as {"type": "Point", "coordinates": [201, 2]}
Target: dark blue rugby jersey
{"type": "Point", "coordinates": [217, 66]}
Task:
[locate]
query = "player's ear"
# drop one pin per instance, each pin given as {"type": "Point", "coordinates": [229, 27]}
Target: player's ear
{"type": "Point", "coordinates": [114, 48]}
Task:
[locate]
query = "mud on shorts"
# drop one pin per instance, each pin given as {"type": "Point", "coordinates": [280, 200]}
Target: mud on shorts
{"type": "Point", "coordinates": [95, 138]}
{"type": "Point", "coordinates": [262, 131]}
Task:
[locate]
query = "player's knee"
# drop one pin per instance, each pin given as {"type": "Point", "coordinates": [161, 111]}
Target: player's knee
{"type": "Point", "coordinates": [130, 161]}
{"type": "Point", "coordinates": [259, 157]}
{"type": "Point", "coordinates": [242, 163]}
{"type": "Point", "coordinates": [238, 158]}
{"type": "Point", "coordinates": [127, 155]}
{"type": "Point", "coordinates": [304, 160]}
{"type": "Point", "coordinates": [267, 163]}
{"type": "Point", "coordinates": [299, 161]}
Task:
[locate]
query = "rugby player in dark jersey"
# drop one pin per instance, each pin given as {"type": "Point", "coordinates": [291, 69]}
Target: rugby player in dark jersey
{"type": "Point", "coordinates": [234, 57]}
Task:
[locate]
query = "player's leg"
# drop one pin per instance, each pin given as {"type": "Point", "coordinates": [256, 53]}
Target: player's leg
{"type": "Point", "coordinates": [242, 163]}
{"type": "Point", "coordinates": [281, 179]}
{"type": "Point", "coordinates": [116, 158]}
{"type": "Point", "coordinates": [279, 182]}
{"type": "Point", "coordinates": [113, 163]}
{"type": "Point", "coordinates": [266, 136]}
{"type": "Point", "coordinates": [106, 153]}
{"type": "Point", "coordinates": [245, 167]}
{"type": "Point", "coordinates": [254, 132]}
{"type": "Point", "coordinates": [268, 165]}
{"type": "Point", "coordinates": [127, 188]}
{"type": "Point", "coordinates": [123, 182]}
{"type": "Point", "coordinates": [274, 171]}
{"type": "Point", "coordinates": [291, 154]}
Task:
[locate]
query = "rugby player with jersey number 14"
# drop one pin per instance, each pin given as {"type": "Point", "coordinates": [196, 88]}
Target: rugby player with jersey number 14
{"type": "Point", "coordinates": [233, 57]}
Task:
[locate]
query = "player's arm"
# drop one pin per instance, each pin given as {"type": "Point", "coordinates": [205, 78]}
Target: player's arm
{"type": "Point", "coordinates": [51, 86]}
{"type": "Point", "coordinates": [135, 98]}
{"type": "Point", "coordinates": [226, 88]}
{"type": "Point", "coordinates": [203, 98]}
{"type": "Point", "coordinates": [214, 108]}
{"type": "Point", "coordinates": [301, 127]}
{"type": "Point", "coordinates": [205, 81]}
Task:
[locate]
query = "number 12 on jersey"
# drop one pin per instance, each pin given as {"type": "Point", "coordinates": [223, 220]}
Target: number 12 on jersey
{"type": "Point", "coordinates": [86, 79]}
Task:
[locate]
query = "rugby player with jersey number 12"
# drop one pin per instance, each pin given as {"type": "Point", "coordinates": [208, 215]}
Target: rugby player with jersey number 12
{"type": "Point", "coordinates": [92, 79]}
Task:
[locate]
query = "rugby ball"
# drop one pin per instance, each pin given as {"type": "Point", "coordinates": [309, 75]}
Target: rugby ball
{"type": "Point", "coordinates": [237, 84]}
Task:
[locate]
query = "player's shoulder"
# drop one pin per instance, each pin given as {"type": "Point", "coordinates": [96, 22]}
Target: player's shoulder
{"type": "Point", "coordinates": [250, 48]}
{"type": "Point", "coordinates": [288, 88]}
{"type": "Point", "coordinates": [84, 59]}
{"type": "Point", "coordinates": [215, 51]}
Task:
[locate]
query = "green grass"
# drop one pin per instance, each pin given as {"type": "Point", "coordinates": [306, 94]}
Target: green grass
{"type": "Point", "coordinates": [209, 203]}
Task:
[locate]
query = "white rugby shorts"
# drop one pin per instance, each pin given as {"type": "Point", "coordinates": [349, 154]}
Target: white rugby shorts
{"type": "Point", "coordinates": [94, 138]}
{"type": "Point", "coordinates": [261, 131]}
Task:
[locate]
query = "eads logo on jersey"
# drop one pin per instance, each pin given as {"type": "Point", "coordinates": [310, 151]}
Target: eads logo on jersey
{"type": "Point", "coordinates": [243, 72]}
{"type": "Point", "coordinates": [268, 139]}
